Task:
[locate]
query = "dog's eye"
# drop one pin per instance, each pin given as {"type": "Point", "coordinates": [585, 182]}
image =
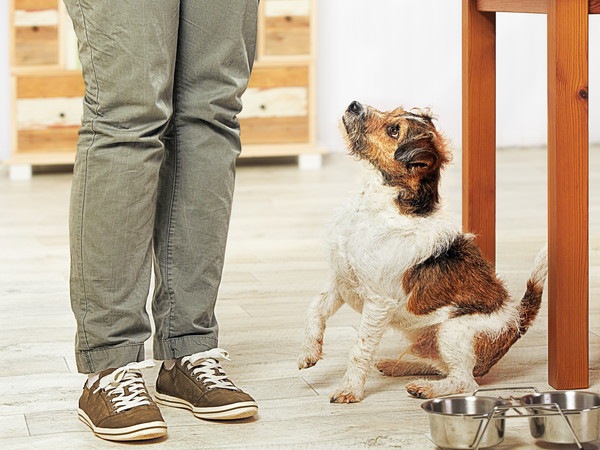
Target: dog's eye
{"type": "Point", "coordinates": [393, 131]}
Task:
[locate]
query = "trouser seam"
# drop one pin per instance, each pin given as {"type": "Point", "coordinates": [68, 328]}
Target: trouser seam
{"type": "Point", "coordinates": [170, 292]}
{"type": "Point", "coordinates": [85, 173]}
{"type": "Point", "coordinates": [189, 336]}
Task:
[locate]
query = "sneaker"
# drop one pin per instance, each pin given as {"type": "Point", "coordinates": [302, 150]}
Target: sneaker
{"type": "Point", "coordinates": [198, 383]}
{"type": "Point", "coordinates": [117, 407]}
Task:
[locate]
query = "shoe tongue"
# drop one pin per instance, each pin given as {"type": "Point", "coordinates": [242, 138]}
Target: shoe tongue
{"type": "Point", "coordinates": [103, 374]}
{"type": "Point", "coordinates": [215, 354]}
{"type": "Point", "coordinates": [195, 362]}
{"type": "Point", "coordinates": [124, 372]}
{"type": "Point", "coordinates": [106, 372]}
{"type": "Point", "coordinates": [106, 379]}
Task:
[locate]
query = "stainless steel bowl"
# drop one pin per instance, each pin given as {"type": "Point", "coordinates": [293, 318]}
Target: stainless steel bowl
{"type": "Point", "coordinates": [582, 410]}
{"type": "Point", "coordinates": [457, 422]}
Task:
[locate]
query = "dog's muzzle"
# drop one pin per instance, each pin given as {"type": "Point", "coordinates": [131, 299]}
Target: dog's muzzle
{"type": "Point", "coordinates": [356, 108]}
{"type": "Point", "coordinates": [353, 115]}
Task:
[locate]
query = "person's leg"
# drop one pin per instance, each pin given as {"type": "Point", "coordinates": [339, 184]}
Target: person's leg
{"type": "Point", "coordinates": [127, 51]}
{"type": "Point", "coordinates": [214, 59]}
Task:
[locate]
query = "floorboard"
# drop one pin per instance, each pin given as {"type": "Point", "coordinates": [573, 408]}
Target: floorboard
{"type": "Point", "coordinates": [275, 264]}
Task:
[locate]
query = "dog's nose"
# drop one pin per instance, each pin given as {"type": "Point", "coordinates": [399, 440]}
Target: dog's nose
{"type": "Point", "coordinates": [355, 108]}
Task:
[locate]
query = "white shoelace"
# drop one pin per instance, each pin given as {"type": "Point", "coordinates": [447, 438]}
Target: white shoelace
{"type": "Point", "coordinates": [126, 386]}
{"type": "Point", "coordinates": [206, 368]}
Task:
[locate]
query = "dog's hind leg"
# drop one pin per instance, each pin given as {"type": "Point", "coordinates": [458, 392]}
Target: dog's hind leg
{"type": "Point", "coordinates": [376, 316]}
{"type": "Point", "coordinates": [403, 367]}
{"type": "Point", "coordinates": [454, 383]}
{"type": "Point", "coordinates": [420, 358]}
{"type": "Point", "coordinates": [455, 344]}
{"type": "Point", "coordinates": [321, 308]}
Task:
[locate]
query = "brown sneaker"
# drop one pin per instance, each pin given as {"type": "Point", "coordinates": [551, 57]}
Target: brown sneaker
{"type": "Point", "coordinates": [198, 383]}
{"type": "Point", "coordinates": [118, 407]}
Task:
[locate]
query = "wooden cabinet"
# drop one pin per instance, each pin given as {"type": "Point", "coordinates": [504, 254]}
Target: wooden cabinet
{"type": "Point", "coordinates": [279, 106]}
{"type": "Point", "coordinates": [47, 88]}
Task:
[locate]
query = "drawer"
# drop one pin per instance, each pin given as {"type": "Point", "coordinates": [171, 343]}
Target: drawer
{"type": "Point", "coordinates": [275, 130]}
{"type": "Point", "coordinates": [36, 113]}
{"type": "Point", "coordinates": [277, 91]}
{"type": "Point", "coordinates": [48, 124]}
{"type": "Point", "coordinates": [276, 105]}
{"type": "Point", "coordinates": [50, 84]}
{"type": "Point", "coordinates": [287, 27]}
{"type": "Point", "coordinates": [36, 35]}
{"type": "Point", "coordinates": [54, 140]}
{"type": "Point", "coordinates": [48, 110]}
{"type": "Point", "coordinates": [35, 5]}
{"type": "Point", "coordinates": [280, 75]}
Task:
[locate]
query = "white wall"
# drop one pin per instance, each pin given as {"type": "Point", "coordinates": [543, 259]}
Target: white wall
{"type": "Point", "coordinates": [408, 52]}
{"type": "Point", "coordinates": [392, 52]}
{"type": "Point", "coordinates": [388, 53]}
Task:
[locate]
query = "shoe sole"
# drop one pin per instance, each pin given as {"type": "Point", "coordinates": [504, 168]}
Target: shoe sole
{"type": "Point", "coordinates": [140, 432]}
{"type": "Point", "coordinates": [240, 410]}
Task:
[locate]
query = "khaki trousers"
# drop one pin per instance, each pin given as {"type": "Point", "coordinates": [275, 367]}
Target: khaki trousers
{"type": "Point", "coordinates": [154, 172]}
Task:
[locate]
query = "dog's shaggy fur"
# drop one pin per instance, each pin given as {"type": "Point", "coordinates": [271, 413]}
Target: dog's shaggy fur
{"type": "Point", "coordinates": [400, 262]}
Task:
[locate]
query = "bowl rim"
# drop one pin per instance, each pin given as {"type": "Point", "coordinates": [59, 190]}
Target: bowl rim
{"type": "Point", "coordinates": [559, 392]}
{"type": "Point", "coordinates": [498, 400]}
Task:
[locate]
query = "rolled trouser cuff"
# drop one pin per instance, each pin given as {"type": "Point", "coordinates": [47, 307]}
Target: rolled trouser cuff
{"type": "Point", "coordinates": [183, 346]}
{"type": "Point", "coordinates": [98, 359]}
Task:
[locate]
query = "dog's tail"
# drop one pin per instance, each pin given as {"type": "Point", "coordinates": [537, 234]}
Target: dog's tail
{"type": "Point", "coordinates": [532, 299]}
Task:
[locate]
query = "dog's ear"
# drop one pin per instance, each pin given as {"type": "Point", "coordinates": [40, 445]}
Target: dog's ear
{"type": "Point", "coordinates": [419, 153]}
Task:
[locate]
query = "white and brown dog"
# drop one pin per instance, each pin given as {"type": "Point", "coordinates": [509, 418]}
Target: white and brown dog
{"type": "Point", "coordinates": [399, 261]}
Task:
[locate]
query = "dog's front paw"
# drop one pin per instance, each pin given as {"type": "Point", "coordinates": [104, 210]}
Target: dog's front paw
{"type": "Point", "coordinates": [306, 360]}
{"type": "Point", "coordinates": [420, 389]}
{"type": "Point", "coordinates": [346, 396]}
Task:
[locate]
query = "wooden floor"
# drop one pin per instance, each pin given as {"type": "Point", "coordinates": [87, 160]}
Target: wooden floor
{"type": "Point", "coordinates": [275, 265]}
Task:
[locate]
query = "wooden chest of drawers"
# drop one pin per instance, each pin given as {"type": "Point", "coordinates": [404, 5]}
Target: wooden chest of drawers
{"type": "Point", "coordinates": [279, 106]}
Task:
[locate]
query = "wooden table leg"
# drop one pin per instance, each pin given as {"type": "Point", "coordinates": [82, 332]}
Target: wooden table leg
{"type": "Point", "coordinates": [479, 126]}
{"type": "Point", "coordinates": [568, 360]}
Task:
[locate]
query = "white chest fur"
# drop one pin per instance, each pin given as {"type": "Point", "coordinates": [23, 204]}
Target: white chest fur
{"type": "Point", "coordinates": [372, 245]}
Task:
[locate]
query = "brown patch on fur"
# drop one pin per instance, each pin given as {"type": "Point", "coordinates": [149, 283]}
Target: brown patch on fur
{"type": "Point", "coordinates": [405, 147]}
{"type": "Point", "coordinates": [530, 305]}
{"type": "Point", "coordinates": [426, 345]}
{"type": "Point", "coordinates": [399, 368]}
{"type": "Point", "coordinates": [460, 277]}
{"type": "Point", "coordinates": [488, 351]}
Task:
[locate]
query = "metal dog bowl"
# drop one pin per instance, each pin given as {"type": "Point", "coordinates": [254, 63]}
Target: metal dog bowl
{"type": "Point", "coordinates": [465, 422]}
{"type": "Point", "coordinates": [580, 408]}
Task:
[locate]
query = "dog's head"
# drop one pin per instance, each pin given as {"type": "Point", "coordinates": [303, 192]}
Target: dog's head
{"type": "Point", "coordinates": [405, 147]}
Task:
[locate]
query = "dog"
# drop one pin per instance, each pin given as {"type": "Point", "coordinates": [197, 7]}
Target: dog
{"type": "Point", "coordinates": [396, 259]}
